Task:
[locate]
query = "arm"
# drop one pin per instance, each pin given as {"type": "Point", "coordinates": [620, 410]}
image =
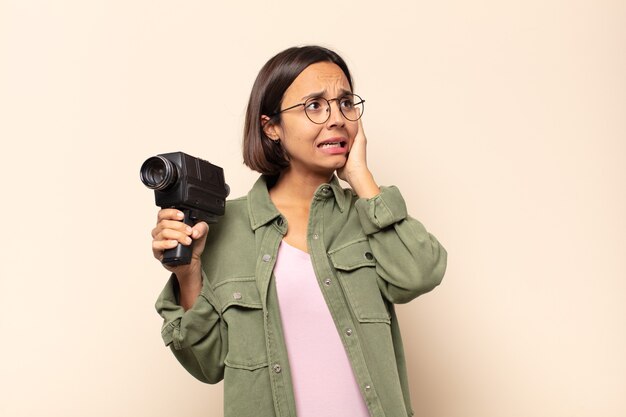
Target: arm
{"type": "Point", "coordinates": [196, 336]}
{"type": "Point", "coordinates": [409, 260]}
{"type": "Point", "coordinates": [168, 233]}
{"type": "Point", "coordinates": [192, 325]}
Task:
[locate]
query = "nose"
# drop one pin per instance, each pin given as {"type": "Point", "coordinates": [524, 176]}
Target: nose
{"type": "Point", "coordinates": [336, 117]}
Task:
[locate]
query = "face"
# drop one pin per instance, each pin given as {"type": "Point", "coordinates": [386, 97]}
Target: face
{"type": "Point", "coordinates": [315, 149]}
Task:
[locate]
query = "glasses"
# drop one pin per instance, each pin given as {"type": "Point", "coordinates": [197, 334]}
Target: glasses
{"type": "Point", "coordinates": [317, 109]}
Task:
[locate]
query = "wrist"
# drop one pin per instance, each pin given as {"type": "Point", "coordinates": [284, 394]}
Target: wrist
{"type": "Point", "coordinates": [363, 184]}
{"type": "Point", "coordinates": [189, 287]}
{"type": "Point", "coordinates": [188, 276]}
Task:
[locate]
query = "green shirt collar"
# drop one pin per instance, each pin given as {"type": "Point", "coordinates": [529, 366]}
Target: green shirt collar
{"type": "Point", "coordinates": [262, 210]}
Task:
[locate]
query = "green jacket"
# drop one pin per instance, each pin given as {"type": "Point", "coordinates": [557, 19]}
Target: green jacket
{"type": "Point", "coordinates": [367, 255]}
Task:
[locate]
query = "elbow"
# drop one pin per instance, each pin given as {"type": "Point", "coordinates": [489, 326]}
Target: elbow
{"type": "Point", "coordinates": [211, 377]}
{"type": "Point", "coordinates": [207, 371]}
{"type": "Point", "coordinates": [436, 269]}
{"type": "Point", "coordinates": [433, 266]}
{"type": "Point", "coordinates": [424, 276]}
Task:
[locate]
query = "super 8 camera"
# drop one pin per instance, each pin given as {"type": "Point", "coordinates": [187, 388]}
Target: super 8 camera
{"type": "Point", "coordinates": [192, 185]}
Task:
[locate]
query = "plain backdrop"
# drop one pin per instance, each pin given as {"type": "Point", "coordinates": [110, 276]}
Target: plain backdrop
{"type": "Point", "coordinates": [502, 122]}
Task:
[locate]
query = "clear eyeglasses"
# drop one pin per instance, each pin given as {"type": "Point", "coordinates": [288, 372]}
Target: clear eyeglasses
{"type": "Point", "coordinates": [317, 109]}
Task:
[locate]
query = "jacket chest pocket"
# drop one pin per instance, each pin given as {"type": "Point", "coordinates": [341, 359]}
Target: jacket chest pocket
{"type": "Point", "coordinates": [356, 270]}
{"type": "Point", "coordinates": [242, 313]}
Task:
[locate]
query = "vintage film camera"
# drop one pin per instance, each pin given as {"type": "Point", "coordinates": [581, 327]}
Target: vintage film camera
{"type": "Point", "coordinates": [192, 185]}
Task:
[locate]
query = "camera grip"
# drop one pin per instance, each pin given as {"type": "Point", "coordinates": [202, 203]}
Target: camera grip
{"type": "Point", "coordinates": [181, 254]}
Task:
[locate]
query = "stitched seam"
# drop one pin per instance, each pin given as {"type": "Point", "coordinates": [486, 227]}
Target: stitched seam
{"type": "Point", "coordinates": [242, 304]}
{"type": "Point", "coordinates": [234, 279]}
{"type": "Point", "coordinates": [354, 242]}
{"type": "Point", "coordinates": [247, 366]}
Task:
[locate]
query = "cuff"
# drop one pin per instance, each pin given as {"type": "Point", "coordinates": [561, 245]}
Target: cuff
{"type": "Point", "coordinates": [183, 328]}
{"type": "Point", "coordinates": [381, 211]}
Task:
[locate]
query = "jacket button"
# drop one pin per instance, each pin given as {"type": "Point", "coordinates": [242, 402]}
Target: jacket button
{"type": "Point", "coordinates": [368, 387]}
{"type": "Point", "coordinates": [369, 256]}
{"type": "Point", "coordinates": [279, 221]}
{"type": "Point", "coordinates": [327, 282]}
{"type": "Point", "coordinates": [276, 368]}
{"type": "Point", "coordinates": [349, 332]}
{"type": "Point", "coordinates": [237, 296]}
{"type": "Point", "coordinates": [266, 258]}
{"type": "Point", "coordinates": [316, 236]}
{"type": "Point", "coordinates": [326, 190]}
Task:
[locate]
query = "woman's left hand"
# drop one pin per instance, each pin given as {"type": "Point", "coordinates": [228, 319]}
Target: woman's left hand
{"type": "Point", "coordinates": [355, 171]}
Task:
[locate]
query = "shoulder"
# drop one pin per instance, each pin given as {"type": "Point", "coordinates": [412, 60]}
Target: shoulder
{"type": "Point", "coordinates": [237, 205]}
{"type": "Point", "coordinates": [232, 232]}
{"type": "Point", "coordinates": [235, 215]}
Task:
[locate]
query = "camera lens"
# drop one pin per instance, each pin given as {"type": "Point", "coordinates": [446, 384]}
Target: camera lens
{"type": "Point", "coordinates": [158, 173]}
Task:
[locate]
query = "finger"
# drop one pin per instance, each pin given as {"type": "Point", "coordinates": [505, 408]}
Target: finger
{"type": "Point", "coordinates": [200, 233]}
{"type": "Point", "coordinates": [359, 138]}
{"type": "Point", "coordinates": [158, 247]}
{"type": "Point", "coordinates": [170, 214]}
{"type": "Point", "coordinates": [171, 224]}
{"type": "Point", "coordinates": [361, 132]}
{"type": "Point", "coordinates": [169, 234]}
{"type": "Point", "coordinates": [200, 230]}
{"type": "Point", "coordinates": [161, 245]}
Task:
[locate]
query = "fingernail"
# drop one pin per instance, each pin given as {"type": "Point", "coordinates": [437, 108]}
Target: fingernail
{"type": "Point", "coordinates": [188, 229]}
{"type": "Point", "coordinates": [188, 241]}
{"type": "Point", "coordinates": [180, 215]}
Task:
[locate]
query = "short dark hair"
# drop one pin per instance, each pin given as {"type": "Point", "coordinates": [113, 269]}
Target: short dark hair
{"type": "Point", "coordinates": [260, 153]}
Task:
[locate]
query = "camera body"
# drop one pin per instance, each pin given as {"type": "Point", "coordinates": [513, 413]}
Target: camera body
{"type": "Point", "coordinates": [190, 184]}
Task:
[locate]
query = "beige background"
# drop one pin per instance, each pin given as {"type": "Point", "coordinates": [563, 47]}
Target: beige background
{"type": "Point", "coordinates": [502, 122]}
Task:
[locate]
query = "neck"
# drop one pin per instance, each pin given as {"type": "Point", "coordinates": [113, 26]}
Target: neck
{"type": "Point", "coordinates": [298, 189]}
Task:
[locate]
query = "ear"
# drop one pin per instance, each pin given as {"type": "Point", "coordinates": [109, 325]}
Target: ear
{"type": "Point", "coordinates": [269, 128]}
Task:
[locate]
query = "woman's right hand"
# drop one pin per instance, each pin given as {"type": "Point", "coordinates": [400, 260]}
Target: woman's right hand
{"type": "Point", "coordinates": [168, 233]}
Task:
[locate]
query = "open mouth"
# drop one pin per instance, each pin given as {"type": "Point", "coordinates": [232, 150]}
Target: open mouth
{"type": "Point", "coordinates": [339, 144]}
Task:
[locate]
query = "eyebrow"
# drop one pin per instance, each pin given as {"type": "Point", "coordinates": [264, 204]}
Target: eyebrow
{"type": "Point", "coordinates": [342, 92]}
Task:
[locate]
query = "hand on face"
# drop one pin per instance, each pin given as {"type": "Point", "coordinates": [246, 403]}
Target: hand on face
{"type": "Point", "coordinates": [355, 171]}
{"type": "Point", "coordinates": [319, 149]}
{"type": "Point", "coordinates": [356, 163]}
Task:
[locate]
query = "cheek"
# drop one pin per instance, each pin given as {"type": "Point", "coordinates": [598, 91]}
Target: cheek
{"type": "Point", "coordinates": [302, 133]}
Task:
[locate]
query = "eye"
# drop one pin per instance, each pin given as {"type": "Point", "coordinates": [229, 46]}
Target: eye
{"type": "Point", "coordinates": [347, 102]}
{"type": "Point", "coordinates": [314, 104]}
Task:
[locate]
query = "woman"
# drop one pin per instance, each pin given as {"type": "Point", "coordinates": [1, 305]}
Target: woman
{"type": "Point", "coordinates": [289, 299]}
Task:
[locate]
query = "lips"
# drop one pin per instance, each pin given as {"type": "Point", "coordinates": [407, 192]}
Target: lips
{"type": "Point", "coordinates": [332, 143]}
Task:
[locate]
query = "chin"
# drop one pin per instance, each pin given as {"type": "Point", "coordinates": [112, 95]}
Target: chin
{"type": "Point", "coordinates": [339, 165]}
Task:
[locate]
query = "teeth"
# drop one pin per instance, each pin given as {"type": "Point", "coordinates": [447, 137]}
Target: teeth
{"type": "Point", "coordinates": [330, 145]}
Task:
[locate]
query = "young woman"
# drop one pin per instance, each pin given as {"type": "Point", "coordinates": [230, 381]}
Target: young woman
{"type": "Point", "coordinates": [289, 298]}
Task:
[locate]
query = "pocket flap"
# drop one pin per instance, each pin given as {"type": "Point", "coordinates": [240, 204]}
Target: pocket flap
{"type": "Point", "coordinates": [352, 256]}
{"type": "Point", "coordinates": [356, 269]}
{"type": "Point", "coordinates": [241, 292]}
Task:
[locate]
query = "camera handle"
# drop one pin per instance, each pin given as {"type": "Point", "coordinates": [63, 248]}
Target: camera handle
{"type": "Point", "coordinates": [181, 254]}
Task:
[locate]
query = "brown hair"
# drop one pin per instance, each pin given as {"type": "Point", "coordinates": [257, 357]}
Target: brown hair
{"type": "Point", "coordinates": [260, 153]}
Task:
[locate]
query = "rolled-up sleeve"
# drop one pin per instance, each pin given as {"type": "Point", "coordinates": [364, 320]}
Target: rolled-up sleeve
{"type": "Point", "coordinates": [409, 260]}
{"type": "Point", "coordinates": [196, 335]}
{"type": "Point", "coordinates": [381, 211]}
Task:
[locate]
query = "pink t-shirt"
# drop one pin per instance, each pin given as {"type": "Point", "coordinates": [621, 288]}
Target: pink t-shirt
{"type": "Point", "coordinates": [323, 382]}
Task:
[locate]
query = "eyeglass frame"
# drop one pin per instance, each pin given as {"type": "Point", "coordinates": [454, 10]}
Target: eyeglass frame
{"type": "Point", "coordinates": [329, 108]}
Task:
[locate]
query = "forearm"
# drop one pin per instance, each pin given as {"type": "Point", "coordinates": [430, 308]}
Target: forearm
{"type": "Point", "coordinates": [363, 184]}
{"type": "Point", "coordinates": [195, 335]}
{"type": "Point", "coordinates": [410, 261]}
{"type": "Point", "coordinates": [189, 286]}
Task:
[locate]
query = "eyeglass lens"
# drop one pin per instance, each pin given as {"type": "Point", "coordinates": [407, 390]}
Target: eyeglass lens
{"type": "Point", "coordinates": [318, 108]}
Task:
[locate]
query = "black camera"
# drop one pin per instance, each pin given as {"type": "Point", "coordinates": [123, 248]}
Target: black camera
{"type": "Point", "coordinates": [192, 185]}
